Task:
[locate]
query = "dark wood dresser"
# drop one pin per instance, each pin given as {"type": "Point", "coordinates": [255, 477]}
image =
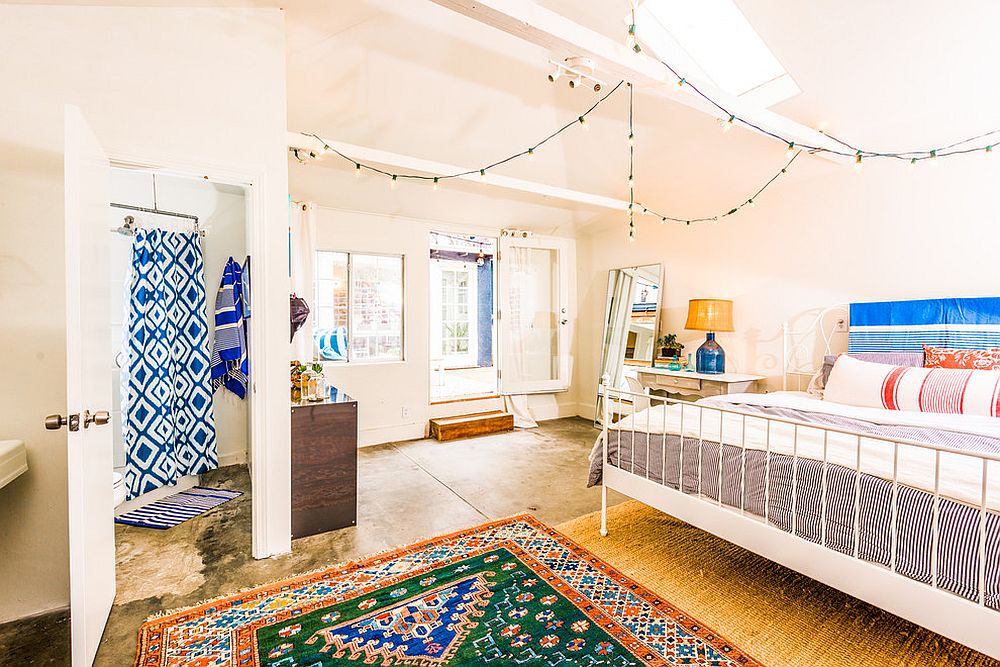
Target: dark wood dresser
{"type": "Point", "coordinates": [324, 464]}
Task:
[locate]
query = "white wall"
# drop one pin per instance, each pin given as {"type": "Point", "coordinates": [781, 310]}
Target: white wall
{"type": "Point", "coordinates": [221, 211]}
{"type": "Point", "coordinates": [198, 86]}
{"type": "Point", "coordinates": [887, 233]}
{"type": "Point", "coordinates": [388, 390]}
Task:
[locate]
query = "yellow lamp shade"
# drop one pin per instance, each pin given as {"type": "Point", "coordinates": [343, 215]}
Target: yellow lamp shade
{"type": "Point", "coordinates": [710, 315]}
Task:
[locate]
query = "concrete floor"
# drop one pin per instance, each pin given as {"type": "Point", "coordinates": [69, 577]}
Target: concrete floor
{"type": "Point", "coordinates": [407, 491]}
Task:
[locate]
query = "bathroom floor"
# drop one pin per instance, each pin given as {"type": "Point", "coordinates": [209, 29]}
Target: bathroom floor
{"type": "Point", "coordinates": [407, 491]}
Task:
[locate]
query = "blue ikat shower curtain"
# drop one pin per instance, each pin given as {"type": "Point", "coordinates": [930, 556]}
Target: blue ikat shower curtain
{"type": "Point", "coordinates": [168, 421]}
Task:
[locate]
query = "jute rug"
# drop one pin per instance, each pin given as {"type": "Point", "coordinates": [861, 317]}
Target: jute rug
{"type": "Point", "coordinates": [777, 615]}
{"type": "Point", "coordinates": [509, 592]}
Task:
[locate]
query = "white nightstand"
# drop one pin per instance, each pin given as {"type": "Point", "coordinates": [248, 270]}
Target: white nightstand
{"type": "Point", "coordinates": [697, 384]}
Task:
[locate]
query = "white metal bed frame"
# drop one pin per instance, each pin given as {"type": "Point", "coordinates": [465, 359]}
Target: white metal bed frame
{"type": "Point", "coordinates": [970, 622]}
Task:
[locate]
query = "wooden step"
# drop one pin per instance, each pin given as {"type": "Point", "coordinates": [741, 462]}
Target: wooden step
{"type": "Point", "coordinates": [468, 426]}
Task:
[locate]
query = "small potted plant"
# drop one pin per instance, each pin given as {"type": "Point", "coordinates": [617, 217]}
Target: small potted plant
{"type": "Point", "coordinates": [669, 346]}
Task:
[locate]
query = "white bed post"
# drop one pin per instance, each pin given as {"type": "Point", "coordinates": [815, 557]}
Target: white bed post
{"type": "Point", "coordinates": [604, 456]}
{"type": "Point", "coordinates": [784, 356]}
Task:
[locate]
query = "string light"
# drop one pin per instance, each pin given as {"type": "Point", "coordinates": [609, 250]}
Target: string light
{"type": "Point", "coordinates": [631, 40]}
{"type": "Point", "coordinates": [392, 183]}
{"type": "Point", "coordinates": [913, 163]}
{"type": "Point", "coordinates": [436, 183]}
{"type": "Point", "coordinates": [794, 153]}
{"type": "Point", "coordinates": [848, 150]}
{"type": "Point", "coordinates": [631, 166]}
{"type": "Point", "coordinates": [529, 153]}
{"type": "Point", "coordinates": [728, 120]}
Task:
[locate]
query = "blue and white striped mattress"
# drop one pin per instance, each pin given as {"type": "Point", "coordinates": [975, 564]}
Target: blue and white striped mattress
{"type": "Point", "coordinates": [657, 456]}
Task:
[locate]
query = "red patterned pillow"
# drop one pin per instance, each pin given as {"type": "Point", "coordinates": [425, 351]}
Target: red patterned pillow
{"type": "Point", "coordinates": [946, 357]}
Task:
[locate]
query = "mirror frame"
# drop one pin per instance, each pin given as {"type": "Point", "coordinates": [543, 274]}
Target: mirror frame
{"type": "Point", "coordinates": [604, 329]}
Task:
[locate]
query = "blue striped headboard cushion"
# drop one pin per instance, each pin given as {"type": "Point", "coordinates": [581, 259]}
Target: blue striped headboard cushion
{"type": "Point", "coordinates": [970, 324]}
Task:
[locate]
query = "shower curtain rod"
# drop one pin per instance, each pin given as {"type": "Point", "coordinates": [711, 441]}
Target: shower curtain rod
{"type": "Point", "coordinates": [129, 220]}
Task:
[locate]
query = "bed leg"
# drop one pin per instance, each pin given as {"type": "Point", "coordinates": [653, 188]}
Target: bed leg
{"type": "Point", "coordinates": [604, 511]}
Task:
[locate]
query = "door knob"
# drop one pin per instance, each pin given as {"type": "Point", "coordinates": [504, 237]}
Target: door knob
{"type": "Point", "coordinates": [56, 422]}
{"type": "Point", "coordinates": [99, 418]}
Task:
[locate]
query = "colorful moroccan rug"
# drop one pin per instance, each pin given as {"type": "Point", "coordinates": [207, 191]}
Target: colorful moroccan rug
{"type": "Point", "coordinates": [510, 592]}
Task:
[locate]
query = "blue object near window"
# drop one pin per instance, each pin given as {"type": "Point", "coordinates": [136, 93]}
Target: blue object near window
{"type": "Point", "coordinates": [331, 343]}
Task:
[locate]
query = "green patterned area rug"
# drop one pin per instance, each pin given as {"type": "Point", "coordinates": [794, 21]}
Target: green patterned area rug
{"type": "Point", "coordinates": [511, 592]}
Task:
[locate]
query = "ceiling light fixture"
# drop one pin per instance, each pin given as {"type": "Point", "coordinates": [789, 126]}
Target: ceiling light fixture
{"type": "Point", "coordinates": [579, 70]}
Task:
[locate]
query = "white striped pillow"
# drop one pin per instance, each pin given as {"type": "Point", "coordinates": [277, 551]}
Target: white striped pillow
{"type": "Point", "coordinates": [944, 390]}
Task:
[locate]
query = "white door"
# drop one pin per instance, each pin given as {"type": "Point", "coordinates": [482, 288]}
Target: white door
{"type": "Point", "coordinates": [454, 313]}
{"type": "Point", "coordinates": [88, 388]}
{"type": "Point", "coordinates": [536, 300]}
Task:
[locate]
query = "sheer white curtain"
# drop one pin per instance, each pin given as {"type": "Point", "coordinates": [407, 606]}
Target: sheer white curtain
{"type": "Point", "coordinates": [302, 258]}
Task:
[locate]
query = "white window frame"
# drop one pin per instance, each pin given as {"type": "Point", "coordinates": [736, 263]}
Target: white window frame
{"type": "Point", "coordinates": [350, 286]}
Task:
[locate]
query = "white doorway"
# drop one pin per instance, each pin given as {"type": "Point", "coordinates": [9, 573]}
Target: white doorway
{"type": "Point", "coordinates": [87, 415]}
{"type": "Point", "coordinates": [462, 317]}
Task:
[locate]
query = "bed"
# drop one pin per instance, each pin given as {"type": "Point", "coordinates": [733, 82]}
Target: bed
{"type": "Point", "coordinates": [899, 508]}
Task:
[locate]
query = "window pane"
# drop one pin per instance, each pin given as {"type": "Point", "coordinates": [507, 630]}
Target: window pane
{"type": "Point", "coordinates": [330, 301]}
{"type": "Point", "coordinates": [376, 308]}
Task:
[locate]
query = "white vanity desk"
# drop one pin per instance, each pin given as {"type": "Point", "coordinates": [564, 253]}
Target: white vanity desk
{"type": "Point", "coordinates": [697, 384]}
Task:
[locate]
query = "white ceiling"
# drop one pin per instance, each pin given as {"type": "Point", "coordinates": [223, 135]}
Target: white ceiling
{"type": "Point", "coordinates": [412, 77]}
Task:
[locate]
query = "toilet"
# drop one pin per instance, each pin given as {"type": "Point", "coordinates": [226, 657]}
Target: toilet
{"type": "Point", "coordinates": [119, 488]}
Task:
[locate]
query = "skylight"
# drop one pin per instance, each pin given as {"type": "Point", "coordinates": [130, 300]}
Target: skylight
{"type": "Point", "coordinates": [711, 39]}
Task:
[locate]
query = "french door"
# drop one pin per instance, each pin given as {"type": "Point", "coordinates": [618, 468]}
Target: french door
{"type": "Point", "coordinates": [536, 300]}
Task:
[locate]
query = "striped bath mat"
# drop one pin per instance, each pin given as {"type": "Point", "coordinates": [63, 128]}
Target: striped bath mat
{"type": "Point", "coordinates": [178, 508]}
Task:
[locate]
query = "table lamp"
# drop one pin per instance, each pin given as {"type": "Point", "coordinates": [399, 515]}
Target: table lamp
{"type": "Point", "coordinates": [711, 316]}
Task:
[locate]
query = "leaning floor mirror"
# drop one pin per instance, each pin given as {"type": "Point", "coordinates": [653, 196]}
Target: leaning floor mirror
{"type": "Point", "coordinates": [631, 315]}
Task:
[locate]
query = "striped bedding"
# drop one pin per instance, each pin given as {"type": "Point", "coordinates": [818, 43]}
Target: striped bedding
{"type": "Point", "coordinates": [649, 444]}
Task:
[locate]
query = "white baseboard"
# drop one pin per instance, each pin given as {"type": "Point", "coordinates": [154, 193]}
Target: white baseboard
{"type": "Point", "coordinates": [233, 458]}
{"type": "Point", "coordinates": [382, 434]}
{"type": "Point", "coordinates": [62, 608]}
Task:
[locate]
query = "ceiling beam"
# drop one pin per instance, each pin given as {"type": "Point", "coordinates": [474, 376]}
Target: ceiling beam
{"type": "Point", "coordinates": [563, 38]}
{"type": "Point", "coordinates": [409, 164]}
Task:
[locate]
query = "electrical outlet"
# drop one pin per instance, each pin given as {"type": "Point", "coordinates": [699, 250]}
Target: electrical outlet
{"type": "Point", "coordinates": [404, 412]}
{"type": "Point", "coordinates": [840, 326]}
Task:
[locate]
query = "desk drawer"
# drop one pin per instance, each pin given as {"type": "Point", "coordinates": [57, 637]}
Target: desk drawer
{"type": "Point", "coordinates": [675, 383]}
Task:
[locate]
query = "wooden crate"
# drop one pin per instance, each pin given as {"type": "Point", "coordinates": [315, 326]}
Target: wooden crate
{"type": "Point", "coordinates": [468, 426]}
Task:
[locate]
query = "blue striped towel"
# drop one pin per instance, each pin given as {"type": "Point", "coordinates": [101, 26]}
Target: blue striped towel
{"type": "Point", "coordinates": [230, 367]}
{"type": "Point", "coordinates": [178, 508]}
{"type": "Point", "coordinates": [967, 324]}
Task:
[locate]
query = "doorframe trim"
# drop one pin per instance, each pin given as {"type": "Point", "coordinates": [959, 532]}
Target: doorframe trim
{"type": "Point", "coordinates": [269, 461]}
